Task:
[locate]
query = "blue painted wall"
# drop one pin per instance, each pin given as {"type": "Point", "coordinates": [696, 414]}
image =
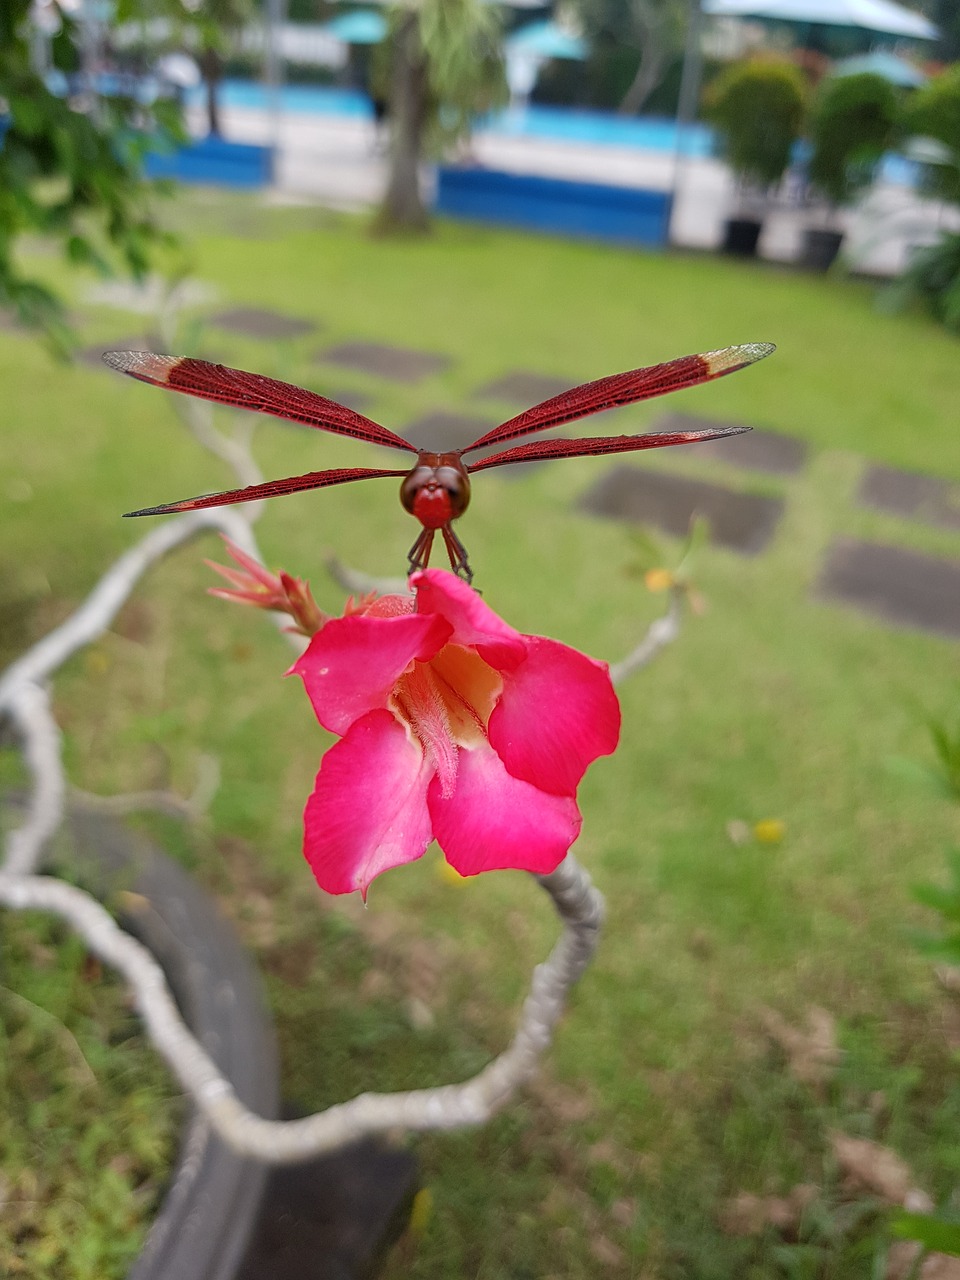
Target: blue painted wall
{"type": "Point", "coordinates": [626, 215]}
{"type": "Point", "coordinates": [211, 160]}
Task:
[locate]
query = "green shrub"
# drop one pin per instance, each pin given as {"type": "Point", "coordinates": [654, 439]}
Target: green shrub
{"type": "Point", "coordinates": [934, 112]}
{"type": "Point", "coordinates": [933, 281]}
{"type": "Point", "coordinates": [853, 121]}
{"type": "Point", "coordinates": [757, 108]}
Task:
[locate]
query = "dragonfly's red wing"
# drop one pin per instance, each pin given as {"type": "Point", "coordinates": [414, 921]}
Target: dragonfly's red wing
{"type": "Point", "coordinates": [252, 391]}
{"type": "Point", "coordinates": [623, 388]}
{"type": "Point", "coordinates": [543, 450]}
{"type": "Point", "coordinates": [270, 489]}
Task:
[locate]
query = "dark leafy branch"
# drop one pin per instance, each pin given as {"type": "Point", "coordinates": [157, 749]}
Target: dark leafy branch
{"type": "Point", "coordinates": [71, 170]}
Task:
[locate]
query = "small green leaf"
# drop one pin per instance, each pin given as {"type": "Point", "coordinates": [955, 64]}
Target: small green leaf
{"type": "Point", "coordinates": [921, 775]}
{"type": "Point", "coordinates": [937, 1232]}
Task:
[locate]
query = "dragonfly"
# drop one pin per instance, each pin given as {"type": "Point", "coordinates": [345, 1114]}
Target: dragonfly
{"type": "Point", "coordinates": [436, 489]}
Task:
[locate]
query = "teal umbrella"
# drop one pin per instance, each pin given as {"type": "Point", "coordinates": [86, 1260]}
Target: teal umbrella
{"type": "Point", "coordinates": [880, 63]}
{"type": "Point", "coordinates": [363, 26]}
{"type": "Point", "coordinates": [546, 40]}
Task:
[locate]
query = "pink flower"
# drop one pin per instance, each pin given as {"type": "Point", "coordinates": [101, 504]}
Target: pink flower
{"type": "Point", "coordinates": [453, 727]}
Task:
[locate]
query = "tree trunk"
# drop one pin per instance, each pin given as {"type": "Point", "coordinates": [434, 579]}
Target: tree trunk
{"type": "Point", "coordinates": [403, 208]}
{"type": "Point", "coordinates": [211, 68]}
{"type": "Point", "coordinates": [650, 72]}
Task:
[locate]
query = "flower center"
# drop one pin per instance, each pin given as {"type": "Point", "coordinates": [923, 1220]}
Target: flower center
{"type": "Point", "coordinates": [446, 703]}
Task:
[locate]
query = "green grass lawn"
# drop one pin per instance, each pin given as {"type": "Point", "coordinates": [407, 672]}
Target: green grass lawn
{"type": "Point", "coordinates": [662, 1096]}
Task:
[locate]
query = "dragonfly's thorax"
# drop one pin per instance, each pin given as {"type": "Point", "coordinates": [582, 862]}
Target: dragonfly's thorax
{"type": "Point", "coordinates": [437, 490]}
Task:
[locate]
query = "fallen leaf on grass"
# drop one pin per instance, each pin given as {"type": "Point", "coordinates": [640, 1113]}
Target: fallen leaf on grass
{"type": "Point", "coordinates": [812, 1054]}
{"type": "Point", "coordinates": [902, 1259]}
{"type": "Point", "coordinates": [606, 1252]}
{"type": "Point", "coordinates": [868, 1166]}
{"type": "Point", "coordinates": [750, 1215]}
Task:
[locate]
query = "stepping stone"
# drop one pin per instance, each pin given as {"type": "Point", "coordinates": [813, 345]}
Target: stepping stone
{"type": "Point", "coordinates": [907, 588]}
{"type": "Point", "coordinates": [259, 322]}
{"type": "Point", "coordinates": [756, 450]}
{"type": "Point", "coordinates": [442, 432]}
{"type": "Point", "coordinates": [399, 363]}
{"type": "Point", "coordinates": [523, 388]}
{"type": "Point", "coordinates": [744, 522]}
{"type": "Point", "coordinates": [911, 496]}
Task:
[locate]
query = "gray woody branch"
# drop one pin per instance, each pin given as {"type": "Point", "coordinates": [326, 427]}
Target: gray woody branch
{"type": "Point", "coordinates": [24, 700]}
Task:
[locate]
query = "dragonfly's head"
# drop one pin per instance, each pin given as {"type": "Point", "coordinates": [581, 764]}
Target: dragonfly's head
{"type": "Point", "coordinates": [437, 490]}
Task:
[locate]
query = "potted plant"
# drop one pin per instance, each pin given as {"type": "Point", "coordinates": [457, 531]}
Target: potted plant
{"type": "Point", "coordinates": [757, 110]}
{"type": "Point", "coordinates": [932, 278]}
{"type": "Point", "coordinates": [853, 120]}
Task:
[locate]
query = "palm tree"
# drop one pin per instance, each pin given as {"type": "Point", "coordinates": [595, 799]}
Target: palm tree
{"type": "Point", "coordinates": [216, 22]}
{"type": "Point", "coordinates": [443, 67]}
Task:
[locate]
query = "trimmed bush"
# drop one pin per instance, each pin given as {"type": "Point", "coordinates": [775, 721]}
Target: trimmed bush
{"type": "Point", "coordinates": [934, 112]}
{"type": "Point", "coordinates": [757, 108]}
{"type": "Point", "coordinates": [853, 121]}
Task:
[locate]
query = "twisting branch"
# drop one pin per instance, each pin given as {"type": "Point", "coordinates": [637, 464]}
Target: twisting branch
{"type": "Point", "coordinates": [29, 708]}
{"type": "Point", "coordinates": [197, 415]}
{"type": "Point", "coordinates": [24, 700]}
{"type": "Point", "coordinates": [99, 609]}
{"type": "Point", "coordinates": [234, 450]}
{"type": "Point", "coordinates": [579, 905]}
{"type": "Point", "coordinates": [193, 807]}
{"type": "Point", "coordinates": [363, 583]}
{"type": "Point", "coordinates": [661, 632]}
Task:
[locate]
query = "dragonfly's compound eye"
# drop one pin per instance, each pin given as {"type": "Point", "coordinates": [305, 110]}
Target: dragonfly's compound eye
{"type": "Point", "coordinates": [435, 494]}
{"type": "Point", "coordinates": [457, 487]}
{"type": "Point", "coordinates": [418, 479]}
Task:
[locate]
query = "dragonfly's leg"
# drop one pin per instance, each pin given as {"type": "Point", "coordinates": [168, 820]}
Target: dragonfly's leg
{"type": "Point", "coordinates": [419, 554]}
{"type": "Point", "coordinates": [457, 553]}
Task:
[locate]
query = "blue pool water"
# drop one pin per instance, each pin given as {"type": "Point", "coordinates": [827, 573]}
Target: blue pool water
{"type": "Point", "coordinates": [562, 124]}
{"type": "Point", "coordinates": [597, 128]}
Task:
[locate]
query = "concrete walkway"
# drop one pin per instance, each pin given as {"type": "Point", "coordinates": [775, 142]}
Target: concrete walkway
{"type": "Point", "coordinates": [340, 161]}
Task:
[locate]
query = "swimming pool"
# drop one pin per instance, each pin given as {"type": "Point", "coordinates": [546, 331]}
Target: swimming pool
{"type": "Point", "coordinates": [559, 123]}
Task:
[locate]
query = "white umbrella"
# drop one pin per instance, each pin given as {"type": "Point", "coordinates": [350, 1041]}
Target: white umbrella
{"type": "Point", "coordinates": [870, 15]}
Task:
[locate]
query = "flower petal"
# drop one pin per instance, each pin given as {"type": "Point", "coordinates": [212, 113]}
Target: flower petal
{"type": "Point", "coordinates": [368, 811]}
{"type": "Point", "coordinates": [493, 821]}
{"type": "Point", "coordinates": [557, 713]}
{"type": "Point", "coordinates": [474, 624]}
{"type": "Point", "coordinates": [352, 664]}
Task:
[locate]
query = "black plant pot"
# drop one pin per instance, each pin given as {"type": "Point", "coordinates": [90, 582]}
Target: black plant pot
{"type": "Point", "coordinates": [225, 1217]}
{"type": "Point", "coordinates": [203, 1226]}
{"type": "Point", "coordinates": [740, 236]}
{"type": "Point", "coordinates": [820, 248]}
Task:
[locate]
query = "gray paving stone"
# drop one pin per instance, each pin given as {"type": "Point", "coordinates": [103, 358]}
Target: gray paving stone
{"type": "Point", "coordinates": [904, 587]}
{"type": "Point", "coordinates": [260, 322]}
{"type": "Point", "coordinates": [744, 522]}
{"type": "Point", "coordinates": [911, 496]}
{"type": "Point", "coordinates": [756, 450]}
{"type": "Point", "coordinates": [444, 431]}
{"type": "Point", "coordinates": [401, 364]}
{"type": "Point", "coordinates": [523, 388]}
